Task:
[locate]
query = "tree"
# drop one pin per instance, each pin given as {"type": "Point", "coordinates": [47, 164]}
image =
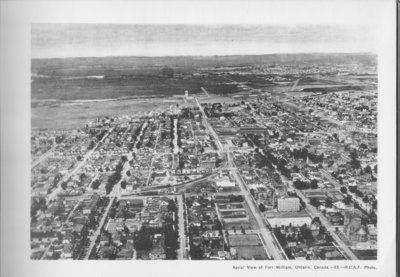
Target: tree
{"type": "Point", "coordinates": [301, 184]}
{"type": "Point", "coordinates": [91, 145]}
{"type": "Point", "coordinates": [316, 220]}
{"type": "Point", "coordinates": [112, 213]}
{"type": "Point", "coordinates": [343, 190]}
{"type": "Point", "coordinates": [363, 146]}
{"type": "Point", "coordinates": [328, 202]}
{"type": "Point", "coordinates": [347, 200]}
{"type": "Point", "coordinates": [375, 204]}
{"type": "Point", "coordinates": [306, 233]}
{"type": "Point", "coordinates": [172, 206]}
{"type": "Point", "coordinates": [315, 202]}
{"type": "Point", "coordinates": [355, 164]}
{"type": "Point", "coordinates": [314, 184]}
{"type": "Point", "coordinates": [368, 169]}
{"type": "Point", "coordinates": [143, 240]}
{"type": "Point", "coordinates": [123, 184]}
{"type": "Point", "coordinates": [64, 185]}
{"type": "Point", "coordinates": [82, 177]}
{"type": "Point", "coordinates": [262, 207]}
{"type": "Point", "coordinates": [235, 198]}
{"type": "Point", "coordinates": [95, 184]}
{"type": "Point", "coordinates": [366, 199]}
{"type": "Point", "coordinates": [359, 193]}
{"type": "Point", "coordinates": [352, 189]}
{"type": "Point", "coordinates": [353, 154]}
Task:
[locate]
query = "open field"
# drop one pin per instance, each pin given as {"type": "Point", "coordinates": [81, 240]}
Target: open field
{"type": "Point", "coordinates": [84, 88]}
{"type": "Point", "coordinates": [66, 93]}
{"type": "Point", "coordinates": [251, 252]}
{"type": "Point", "coordinates": [244, 240]}
{"type": "Point", "coordinates": [72, 115]}
{"type": "Point", "coordinates": [115, 77]}
{"type": "Point", "coordinates": [248, 247]}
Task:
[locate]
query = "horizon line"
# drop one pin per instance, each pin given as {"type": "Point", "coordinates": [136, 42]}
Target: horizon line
{"type": "Point", "coordinates": [216, 55]}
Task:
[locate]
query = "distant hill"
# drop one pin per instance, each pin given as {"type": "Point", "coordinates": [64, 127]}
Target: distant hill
{"type": "Point", "coordinates": [152, 65]}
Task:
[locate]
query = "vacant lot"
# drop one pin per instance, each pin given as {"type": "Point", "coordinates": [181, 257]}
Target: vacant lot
{"type": "Point", "coordinates": [74, 115]}
{"type": "Point", "coordinates": [110, 88]}
{"type": "Point", "coordinates": [245, 240]}
{"type": "Point", "coordinates": [251, 252]}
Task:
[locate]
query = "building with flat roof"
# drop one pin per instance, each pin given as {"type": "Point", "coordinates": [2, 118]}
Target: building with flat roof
{"type": "Point", "coordinates": [291, 204]}
{"type": "Point", "coordinates": [277, 219]}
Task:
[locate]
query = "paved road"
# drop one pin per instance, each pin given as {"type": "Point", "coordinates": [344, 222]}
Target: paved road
{"type": "Point", "coordinates": [313, 212]}
{"type": "Point", "coordinates": [271, 246]}
{"type": "Point", "coordinates": [55, 192]}
{"type": "Point", "coordinates": [154, 155]}
{"type": "Point", "coordinates": [209, 128]}
{"type": "Point", "coordinates": [44, 156]}
{"type": "Point", "coordinates": [181, 230]}
{"type": "Point", "coordinates": [60, 229]}
{"type": "Point", "coordinates": [205, 92]}
{"type": "Point", "coordinates": [93, 237]}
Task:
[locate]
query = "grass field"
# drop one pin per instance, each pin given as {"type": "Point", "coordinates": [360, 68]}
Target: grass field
{"type": "Point", "coordinates": [73, 115]}
{"type": "Point", "coordinates": [57, 82]}
{"type": "Point", "coordinates": [248, 247]}
{"type": "Point", "coordinates": [251, 252]}
{"type": "Point", "coordinates": [245, 240]}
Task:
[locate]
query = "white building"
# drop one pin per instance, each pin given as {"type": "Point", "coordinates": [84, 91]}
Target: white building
{"type": "Point", "coordinates": [225, 184]}
{"type": "Point", "coordinates": [289, 204]}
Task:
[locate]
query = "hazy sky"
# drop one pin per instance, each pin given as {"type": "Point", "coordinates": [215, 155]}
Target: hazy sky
{"type": "Point", "coordinates": [95, 40]}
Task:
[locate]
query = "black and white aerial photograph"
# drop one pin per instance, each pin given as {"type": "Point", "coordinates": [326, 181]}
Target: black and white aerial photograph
{"type": "Point", "coordinates": [198, 138]}
{"type": "Point", "coordinates": [192, 142]}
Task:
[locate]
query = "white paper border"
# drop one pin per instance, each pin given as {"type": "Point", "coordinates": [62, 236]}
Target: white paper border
{"type": "Point", "coordinates": [16, 18]}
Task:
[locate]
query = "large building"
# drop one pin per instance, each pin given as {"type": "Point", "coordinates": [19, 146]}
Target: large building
{"type": "Point", "coordinates": [276, 219]}
{"type": "Point", "coordinates": [208, 164]}
{"type": "Point", "coordinates": [289, 204]}
{"type": "Point", "coordinates": [354, 230]}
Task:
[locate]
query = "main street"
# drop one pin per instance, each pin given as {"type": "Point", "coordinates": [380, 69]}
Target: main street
{"type": "Point", "coordinates": [272, 246]}
{"type": "Point", "coordinates": [94, 236]}
{"type": "Point", "coordinates": [154, 155]}
{"type": "Point", "coordinates": [181, 229]}
{"type": "Point", "coordinates": [209, 128]}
